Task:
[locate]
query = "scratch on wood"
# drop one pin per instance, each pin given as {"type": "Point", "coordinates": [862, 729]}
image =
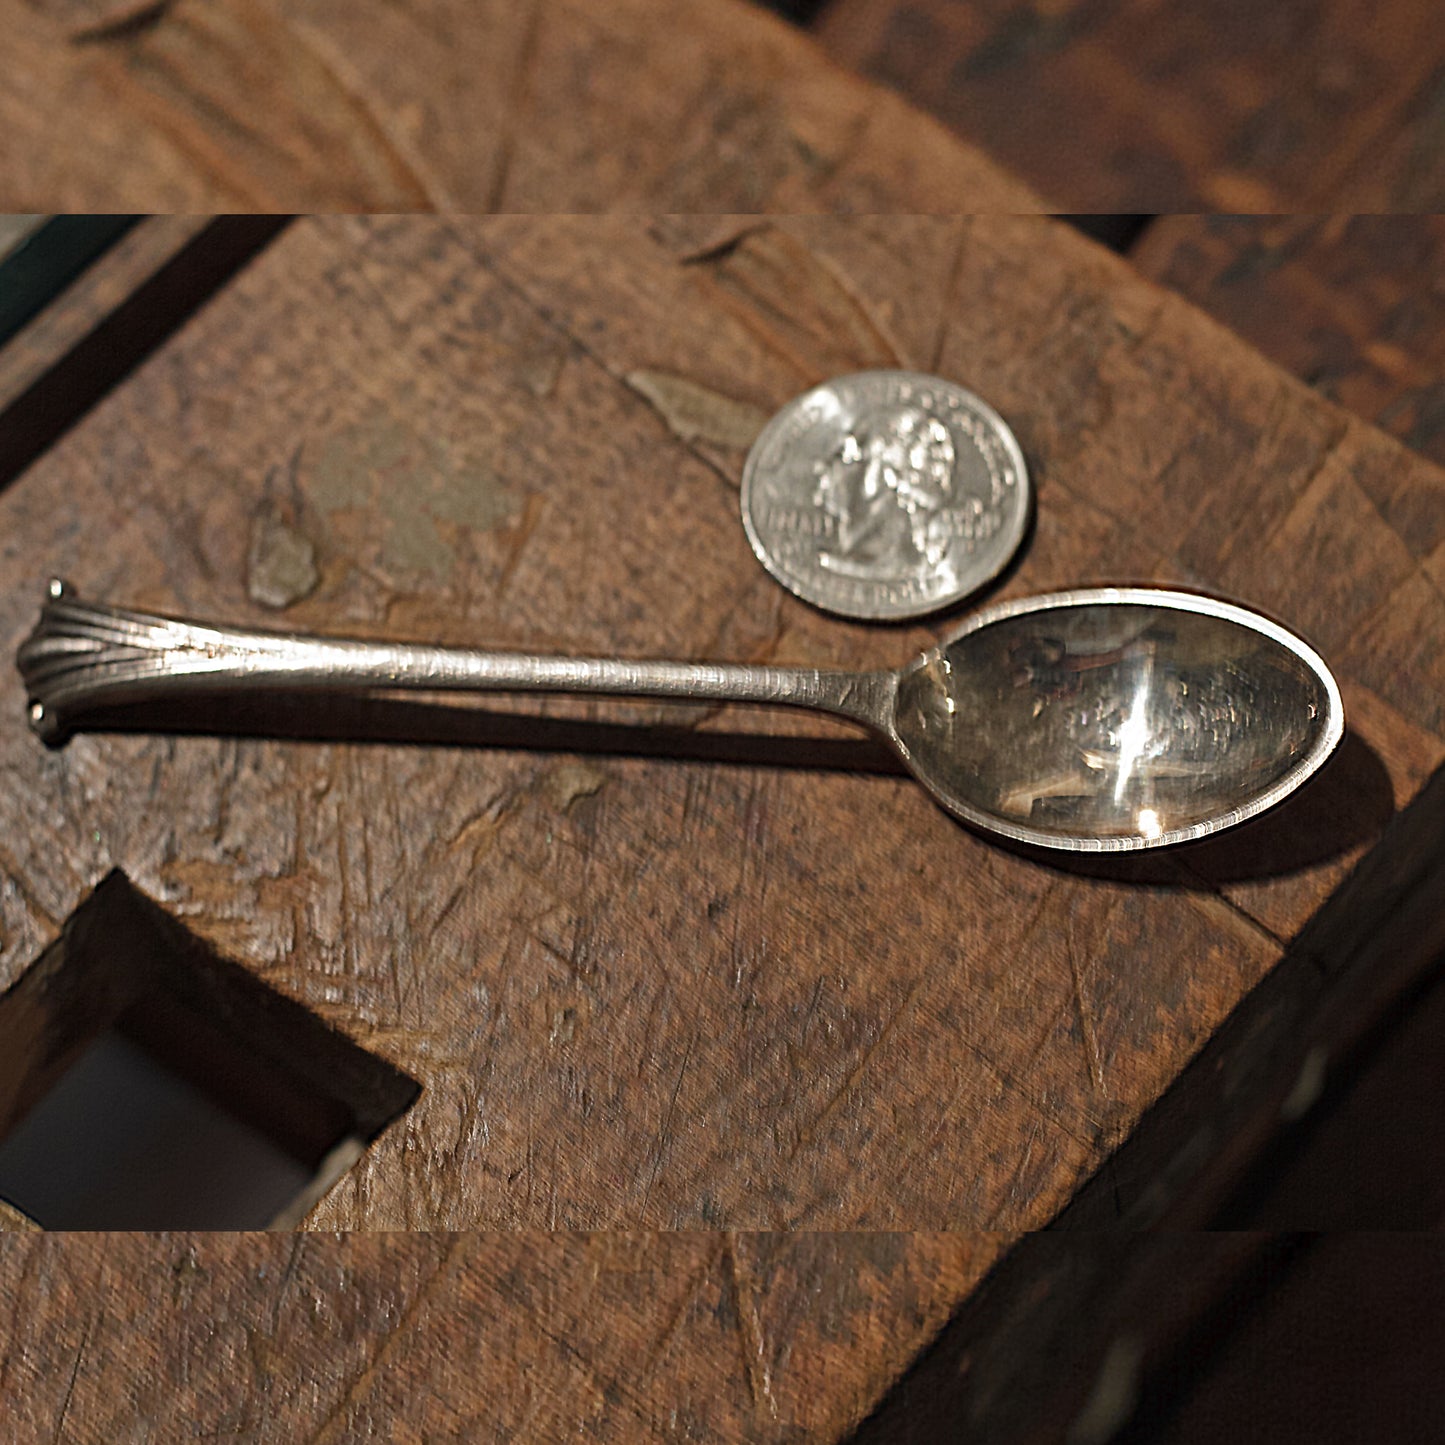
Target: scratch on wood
{"type": "Point", "coordinates": [343, 879]}
{"type": "Point", "coordinates": [206, 145]}
{"type": "Point", "coordinates": [750, 1329]}
{"type": "Point", "coordinates": [480, 830]}
{"type": "Point", "coordinates": [1219, 908]}
{"type": "Point", "coordinates": [1086, 1022]}
{"type": "Point", "coordinates": [357, 94]}
{"type": "Point", "coordinates": [1010, 1193]}
{"type": "Point", "coordinates": [721, 247]}
{"type": "Point", "coordinates": [807, 1135]}
{"type": "Point", "coordinates": [287, 1275]}
{"type": "Point", "coordinates": [858, 302]}
{"type": "Point", "coordinates": [121, 22]}
{"type": "Point", "coordinates": [662, 1136]}
{"type": "Point", "coordinates": [517, 538]}
{"type": "Point", "coordinates": [687, 1304]}
{"type": "Point", "coordinates": [812, 1009]}
{"type": "Point", "coordinates": [516, 100]}
{"type": "Point", "coordinates": [575, 342]}
{"type": "Point", "coordinates": [37, 910]}
{"type": "Point", "coordinates": [1260, 545]}
{"type": "Point", "coordinates": [762, 281]}
{"type": "Point", "coordinates": [950, 293]}
{"type": "Point", "coordinates": [74, 1375]}
{"type": "Point", "coordinates": [331, 1426]}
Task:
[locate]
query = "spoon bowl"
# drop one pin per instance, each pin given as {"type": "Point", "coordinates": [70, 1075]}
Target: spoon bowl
{"type": "Point", "coordinates": [1096, 721]}
{"type": "Point", "coordinates": [1115, 719]}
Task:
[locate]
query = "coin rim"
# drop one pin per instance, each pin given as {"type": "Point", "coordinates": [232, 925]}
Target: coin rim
{"type": "Point", "coordinates": [799, 588]}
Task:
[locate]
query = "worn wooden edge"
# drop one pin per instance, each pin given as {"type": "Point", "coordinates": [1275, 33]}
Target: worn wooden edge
{"type": "Point", "coordinates": [12, 1221]}
{"type": "Point", "coordinates": [1167, 108]}
{"type": "Point", "coordinates": [1060, 1338]}
{"type": "Point", "coordinates": [15, 230]}
{"type": "Point", "coordinates": [1379, 935]}
{"type": "Point", "coordinates": [114, 316]}
{"type": "Point", "coordinates": [1345, 302]}
{"type": "Point", "coordinates": [171, 119]}
{"type": "Point", "coordinates": [90, 298]}
{"type": "Point", "coordinates": [1057, 1341]}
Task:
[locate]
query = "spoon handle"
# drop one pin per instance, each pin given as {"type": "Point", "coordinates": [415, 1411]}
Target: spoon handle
{"type": "Point", "coordinates": [83, 656]}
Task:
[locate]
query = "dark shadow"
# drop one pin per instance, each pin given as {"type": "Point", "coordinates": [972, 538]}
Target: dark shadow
{"type": "Point", "coordinates": [800, 12]}
{"type": "Point", "coordinates": [1347, 803]}
{"type": "Point", "coordinates": [45, 263]}
{"type": "Point", "coordinates": [417, 722]}
{"type": "Point", "coordinates": [55, 401]}
{"type": "Point", "coordinates": [1369, 1154]}
{"type": "Point", "coordinates": [1025, 1356]}
{"type": "Point", "coordinates": [1117, 232]}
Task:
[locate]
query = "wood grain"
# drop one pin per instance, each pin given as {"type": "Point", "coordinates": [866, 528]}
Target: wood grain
{"type": "Point", "coordinates": [664, 991]}
{"type": "Point", "coordinates": [524, 1336]}
{"type": "Point", "coordinates": [12, 1221]}
{"type": "Point", "coordinates": [1352, 304]}
{"type": "Point", "coordinates": [454, 105]}
{"type": "Point", "coordinates": [1138, 106]}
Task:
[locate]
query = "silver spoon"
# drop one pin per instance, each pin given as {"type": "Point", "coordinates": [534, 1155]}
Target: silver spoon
{"type": "Point", "coordinates": [1097, 721]}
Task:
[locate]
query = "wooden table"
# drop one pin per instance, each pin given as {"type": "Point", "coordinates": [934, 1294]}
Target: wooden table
{"type": "Point", "coordinates": [501, 431]}
{"type": "Point", "coordinates": [698, 990]}
{"type": "Point", "coordinates": [704, 105]}
{"type": "Point", "coordinates": [1168, 107]}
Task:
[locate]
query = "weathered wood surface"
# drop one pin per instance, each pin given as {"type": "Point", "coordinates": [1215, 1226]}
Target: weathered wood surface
{"type": "Point", "coordinates": [1138, 106]}
{"type": "Point", "coordinates": [114, 314]}
{"type": "Point", "coordinates": [1284, 1094]}
{"type": "Point", "coordinates": [89, 299]}
{"type": "Point", "coordinates": [410, 1337]}
{"type": "Point", "coordinates": [12, 1221]}
{"type": "Point", "coordinates": [559, 105]}
{"type": "Point", "coordinates": [673, 992]}
{"type": "Point", "coordinates": [1353, 304]}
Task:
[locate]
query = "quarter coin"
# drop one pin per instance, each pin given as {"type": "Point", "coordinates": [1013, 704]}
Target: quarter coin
{"type": "Point", "coordinates": [885, 495]}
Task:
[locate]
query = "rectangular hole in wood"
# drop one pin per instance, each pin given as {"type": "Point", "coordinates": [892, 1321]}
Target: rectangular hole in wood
{"type": "Point", "coordinates": [148, 1083]}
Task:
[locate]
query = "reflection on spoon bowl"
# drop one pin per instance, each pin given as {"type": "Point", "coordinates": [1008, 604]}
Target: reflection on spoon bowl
{"type": "Point", "coordinates": [1116, 719]}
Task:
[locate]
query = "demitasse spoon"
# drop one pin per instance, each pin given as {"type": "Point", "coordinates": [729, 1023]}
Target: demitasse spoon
{"type": "Point", "coordinates": [1098, 721]}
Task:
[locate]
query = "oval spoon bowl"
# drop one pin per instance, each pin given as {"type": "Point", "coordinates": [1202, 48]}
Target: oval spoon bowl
{"type": "Point", "coordinates": [1114, 719]}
